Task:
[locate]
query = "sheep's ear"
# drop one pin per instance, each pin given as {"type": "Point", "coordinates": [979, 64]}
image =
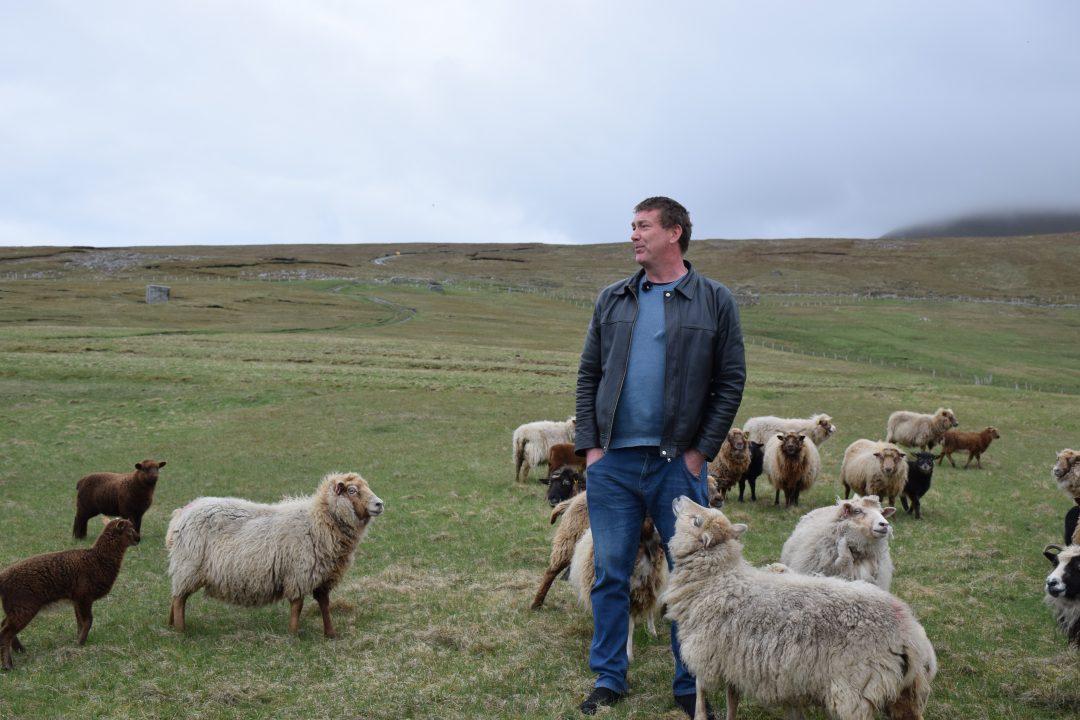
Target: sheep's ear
{"type": "Point", "coordinates": [339, 489]}
{"type": "Point", "coordinates": [706, 540]}
{"type": "Point", "coordinates": [845, 510]}
{"type": "Point", "coordinates": [138, 466]}
{"type": "Point", "coordinates": [888, 512]}
{"type": "Point", "coordinates": [738, 529]}
{"type": "Point", "coordinates": [698, 521]}
{"type": "Point", "coordinates": [161, 464]}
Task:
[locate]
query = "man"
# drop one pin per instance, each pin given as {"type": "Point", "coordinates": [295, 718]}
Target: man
{"type": "Point", "coordinates": [660, 380]}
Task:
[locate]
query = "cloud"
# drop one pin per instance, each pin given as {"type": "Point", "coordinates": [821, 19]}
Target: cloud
{"type": "Point", "coordinates": [329, 121]}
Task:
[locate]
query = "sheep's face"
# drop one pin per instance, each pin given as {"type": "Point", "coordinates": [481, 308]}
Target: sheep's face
{"type": "Point", "coordinates": [354, 488]}
{"type": "Point", "coordinates": [123, 529]}
{"type": "Point", "coordinates": [563, 484]}
{"type": "Point", "coordinates": [1066, 462]}
{"type": "Point", "coordinates": [948, 418]}
{"type": "Point", "coordinates": [992, 432]}
{"type": "Point", "coordinates": [890, 460]}
{"type": "Point", "coordinates": [791, 443]}
{"type": "Point", "coordinates": [867, 513]}
{"type": "Point", "coordinates": [699, 528]}
{"type": "Point", "coordinates": [923, 462]}
{"type": "Point", "coordinates": [148, 470]}
{"type": "Point", "coordinates": [1064, 580]}
{"type": "Point", "coordinates": [826, 424]}
{"type": "Point", "coordinates": [737, 439]}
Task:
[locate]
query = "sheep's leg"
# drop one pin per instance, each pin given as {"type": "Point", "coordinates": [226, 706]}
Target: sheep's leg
{"type": "Point", "coordinates": [630, 642]}
{"type": "Point", "coordinates": [8, 630]}
{"type": "Point", "coordinates": [777, 500]}
{"type": "Point", "coordinates": [545, 584]}
{"type": "Point", "coordinates": [732, 702]}
{"type": "Point", "coordinates": [176, 612]}
{"type": "Point", "coordinates": [16, 645]}
{"type": "Point", "coordinates": [84, 616]}
{"type": "Point", "coordinates": [78, 531]}
{"type": "Point", "coordinates": [700, 711]}
{"type": "Point", "coordinates": [742, 487]}
{"type": "Point", "coordinates": [793, 712]}
{"type": "Point", "coordinates": [915, 505]}
{"type": "Point", "coordinates": [294, 614]}
{"type": "Point", "coordinates": [753, 490]}
{"type": "Point", "coordinates": [847, 490]}
{"type": "Point", "coordinates": [322, 596]}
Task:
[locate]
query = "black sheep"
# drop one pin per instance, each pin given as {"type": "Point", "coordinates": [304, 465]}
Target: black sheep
{"type": "Point", "coordinates": [126, 495]}
{"type": "Point", "coordinates": [757, 456]}
{"type": "Point", "coordinates": [920, 472]}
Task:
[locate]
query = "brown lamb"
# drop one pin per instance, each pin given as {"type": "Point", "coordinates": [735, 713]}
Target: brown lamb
{"type": "Point", "coordinates": [729, 466]}
{"type": "Point", "coordinates": [82, 576]}
{"type": "Point", "coordinates": [126, 495]}
{"type": "Point", "coordinates": [562, 455]}
{"type": "Point", "coordinates": [974, 442]}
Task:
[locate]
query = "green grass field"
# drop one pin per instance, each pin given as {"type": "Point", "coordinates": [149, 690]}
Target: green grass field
{"type": "Point", "coordinates": [415, 372]}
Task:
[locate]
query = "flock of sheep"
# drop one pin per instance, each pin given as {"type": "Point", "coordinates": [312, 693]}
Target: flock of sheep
{"type": "Point", "coordinates": [826, 630]}
{"type": "Point", "coordinates": [241, 552]}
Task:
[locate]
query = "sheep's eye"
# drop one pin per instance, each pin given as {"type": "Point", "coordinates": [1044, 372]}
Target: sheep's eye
{"type": "Point", "coordinates": [352, 490]}
{"type": "Point", "coordinates": [698, 521]}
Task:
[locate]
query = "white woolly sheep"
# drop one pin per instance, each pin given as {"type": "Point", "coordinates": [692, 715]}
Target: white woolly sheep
{"type": "Point", "coordinates": [575, 523]}
{"type": "Point", "coordinates": [874, 468]}
{"type": "Point", "coordinates": [647, 581]}
{"type": "Point", "coordinates": [252, 554]}
{"type": "Point", "coordinates": [786, 638]}
{"type": "Point", "coordinates": [729, 466]}
{"type": "Point", "coordinates": [917, 429]}
{"type": "Point", "coordinates": [1066, 473]}
{"type": "Point", "coordinates": [818, 428]}
{"type": "Point", "coordinates": [975, 443]}
{"type": "Point", "coordinates": [792, 464]}
{"type": "Point", "coordinates": [1063, 589]}
{"type": "Point", "coordinates": [532, 441]}
{"type": "Point", "coordinates": [848, 540]}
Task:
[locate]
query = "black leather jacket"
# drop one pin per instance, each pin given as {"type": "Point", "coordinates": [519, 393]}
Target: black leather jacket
{"type": "Point", "coordinates": [705, 368]}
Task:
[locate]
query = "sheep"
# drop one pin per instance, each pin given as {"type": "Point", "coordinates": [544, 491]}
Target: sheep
{"type": "Point", "coordinates": [251, 554]}
{"type": "Point", "coordinates": [575, 521]}
{"type": "Point", "coordinates": [874, 468]}
{"type": "Point", "coordinates": [974, 442]}
{"type": "Point", "coordinates": [849, 540]}
{"type": "Point", "coordinates": [1066, 473]}
{"type": "Point", "coordinates": [729, 466]}
{"type": "Point", "coordinates": [1063, 589]}
{"type": "Point", "coordinates": [757, 457]}
{"type": "Point", "coordinates": [532, 441]}
{"type": "Point", "coordinates": [82, 576]}
{"type": "Point", "coordinates": [788, 638]}
{"type": "Point", "coordinates": [563, 484]}
{"type": "Point", "coordinates": [818, 428]}
{"type": "Point", "coordinates": [647, 581]}
{"type": "Point", "coordinates": [125, 495]}
{"type": "Point", "coordinates": [563, 455]}
{"type": "Point", "coordinates": [919, 430]}
{"type": "Point", "coordinates": [919, 474]}
{"type": "Point", "coordinates": [792, 464]}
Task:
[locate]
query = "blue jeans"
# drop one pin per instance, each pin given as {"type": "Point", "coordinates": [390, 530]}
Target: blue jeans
{"type": "Point", "coordinates": [624, 485]}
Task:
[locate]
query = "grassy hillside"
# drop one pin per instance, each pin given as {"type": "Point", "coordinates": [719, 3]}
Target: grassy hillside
{"type": "Point", "coordinates": [272, 366]}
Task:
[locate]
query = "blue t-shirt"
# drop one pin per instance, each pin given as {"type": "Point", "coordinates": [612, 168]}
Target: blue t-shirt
{"type": "Point", "coordinates": [639, 416]}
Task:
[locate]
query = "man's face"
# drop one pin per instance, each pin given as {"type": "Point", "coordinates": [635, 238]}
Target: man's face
{"type": "Point", "coordinates": [652, 242]}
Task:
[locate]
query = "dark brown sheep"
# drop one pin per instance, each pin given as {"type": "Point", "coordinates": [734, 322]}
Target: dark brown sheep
{"type": "Point", "coordinates": [126, 495]}
{"type": "Point", "coordinates": [81, 576]}
{"type": "Point", "coordinates": [974, 442]}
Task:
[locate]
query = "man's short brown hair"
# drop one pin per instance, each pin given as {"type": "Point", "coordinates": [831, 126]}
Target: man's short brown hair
{"type": "Point", "coordinates": [671, 214]}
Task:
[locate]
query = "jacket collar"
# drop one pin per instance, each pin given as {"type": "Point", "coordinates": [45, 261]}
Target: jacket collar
{"type": "Point", "coordinates": [686, 285]}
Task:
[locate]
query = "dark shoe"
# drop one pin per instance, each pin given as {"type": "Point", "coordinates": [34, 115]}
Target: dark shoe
{"type": "Point", "coordinates": [599, 697]}
{"type": "Point", "coordinates": [688, 703]}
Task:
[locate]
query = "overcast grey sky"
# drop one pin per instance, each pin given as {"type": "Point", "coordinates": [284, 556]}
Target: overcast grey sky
{"type": "Point", "coordinates": [281, 121]}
